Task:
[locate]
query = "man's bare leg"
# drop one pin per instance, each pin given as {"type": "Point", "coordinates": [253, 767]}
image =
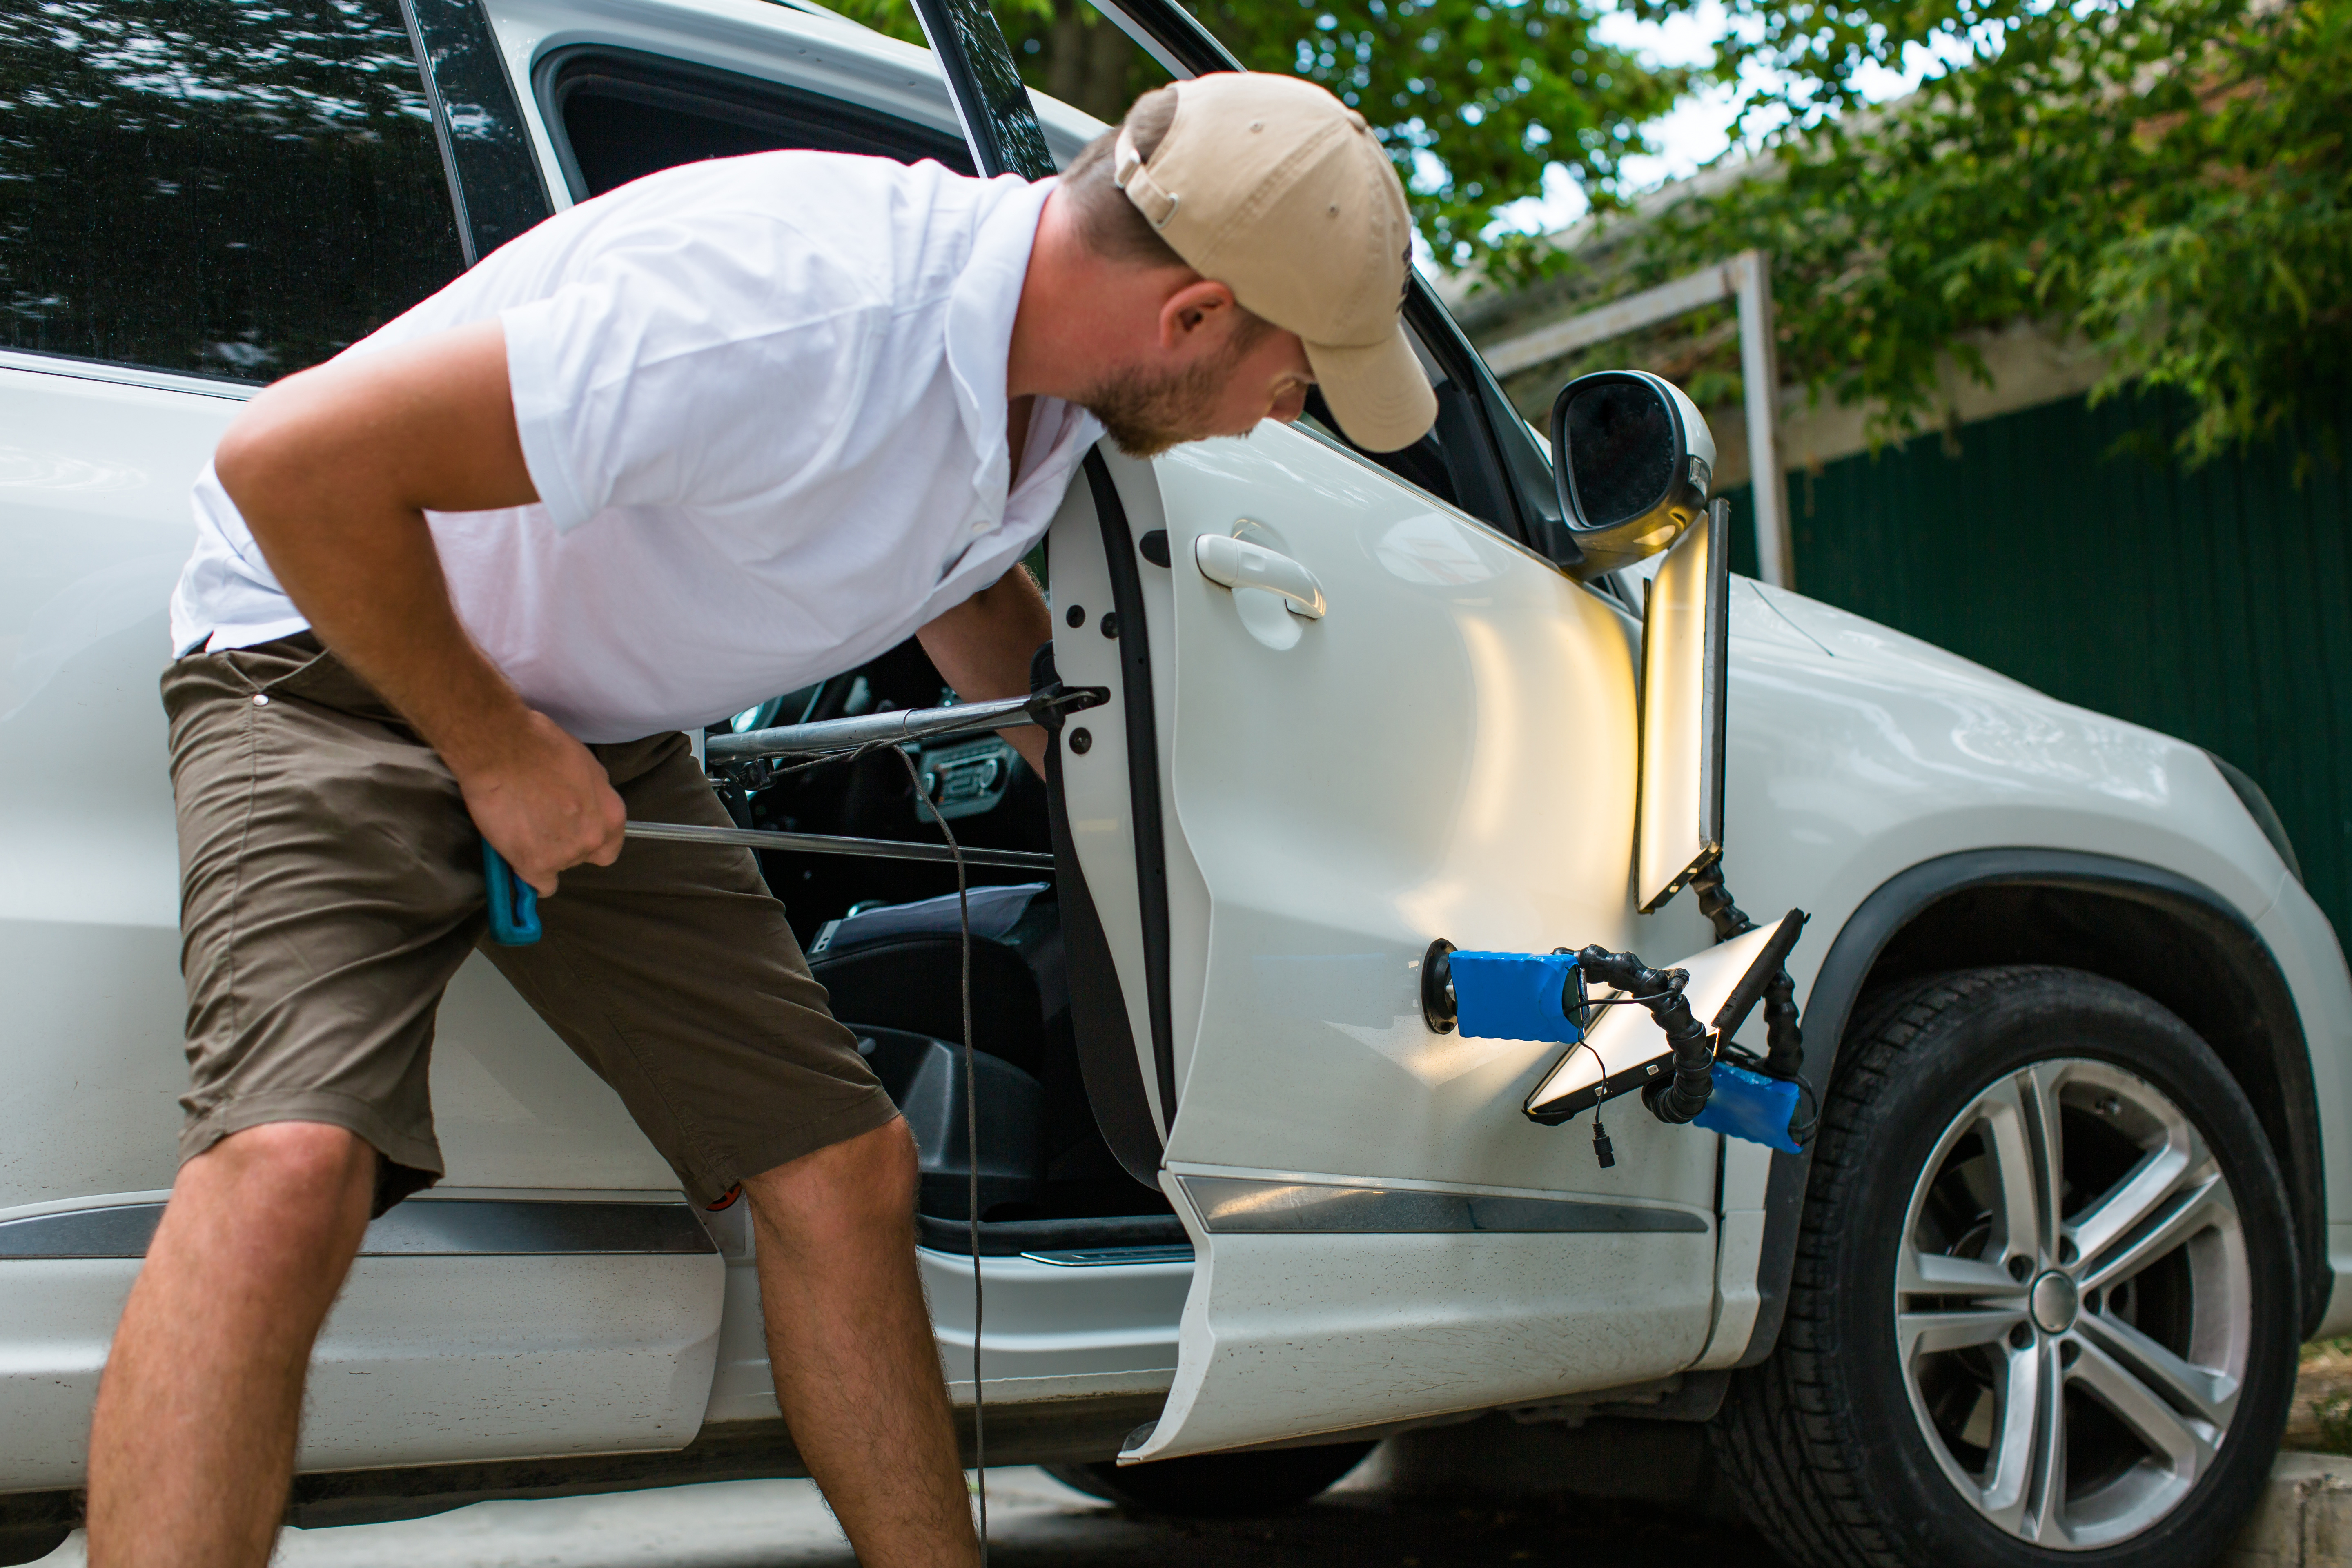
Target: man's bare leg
{"type": "Point", "coordinates": [193, 1442]}
{"type": "Point", "coordinates": [857, 1372]}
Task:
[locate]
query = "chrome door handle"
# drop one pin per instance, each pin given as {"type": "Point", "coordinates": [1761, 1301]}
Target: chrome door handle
{"type": "Point", "coordinates": [1238, 564]}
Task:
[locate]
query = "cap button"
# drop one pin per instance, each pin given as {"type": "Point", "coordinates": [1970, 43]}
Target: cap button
{"type": "Point", "coordinates": [1357, 120]}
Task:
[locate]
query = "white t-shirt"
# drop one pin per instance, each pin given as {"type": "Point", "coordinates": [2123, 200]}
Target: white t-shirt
{"type": "Point", "coordinates": [763, 402]}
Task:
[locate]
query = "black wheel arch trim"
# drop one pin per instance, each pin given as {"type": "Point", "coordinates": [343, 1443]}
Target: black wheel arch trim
{"type": "Point", "coordinates": [1910, 894]}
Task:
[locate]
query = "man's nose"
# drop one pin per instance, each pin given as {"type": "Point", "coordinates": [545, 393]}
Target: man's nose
{"type": "Point", "coordinates": [1289, 405]}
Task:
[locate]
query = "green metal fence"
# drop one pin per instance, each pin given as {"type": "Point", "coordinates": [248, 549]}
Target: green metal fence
{"type": "Point", "coordinates": [2213, 605]}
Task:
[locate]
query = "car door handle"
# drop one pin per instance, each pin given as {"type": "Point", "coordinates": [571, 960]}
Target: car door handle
{"type": "Point", "coordinates": [1238, 564]}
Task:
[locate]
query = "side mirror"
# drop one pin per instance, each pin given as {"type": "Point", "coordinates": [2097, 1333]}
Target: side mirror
{"type": "Point", "coordinates": [1633, 460]}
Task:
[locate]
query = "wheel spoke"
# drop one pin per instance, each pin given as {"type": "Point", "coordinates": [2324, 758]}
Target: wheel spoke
{"type": "Point", "coordinates": [2040, 1521]}
{"type": "Point", "coordinates": [2011, 1465]}
{"type": "Point", "coordinates": [2185, 1449]}
{"type": "Point", "coordinates": [2207, 1395]}
{"type": "Point", "coordinates": [2196, 1201]}
{"type": "Point", "coordinates": [2038, 1090]}
{"type": "Point", "coordinates": [1933, 1274]}
{"type": "Point", "coordinates": [2012, 1115]}
{"type": "Point", "coordinates": [2138, 1195]}
{"type": "Point", "coordinates": [1928, 1333]}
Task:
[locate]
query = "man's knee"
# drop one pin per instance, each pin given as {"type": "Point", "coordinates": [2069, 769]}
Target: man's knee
{"type": "Point", "coordinates": [305, 1174]}
{"type": "Point", "coordinates": [867, 1180]}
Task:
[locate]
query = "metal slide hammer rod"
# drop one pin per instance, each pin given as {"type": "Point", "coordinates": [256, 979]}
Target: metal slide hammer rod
{"type": "Point", "coordinates": [833, 844]}
{"type": "Point", "coordinates": [900, 724]}
{"type": "Point", "coordinates": [514, 903]}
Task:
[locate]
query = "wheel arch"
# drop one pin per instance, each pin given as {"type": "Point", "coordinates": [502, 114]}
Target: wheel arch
{"type": "Point", "coordinates": [2161, 934]}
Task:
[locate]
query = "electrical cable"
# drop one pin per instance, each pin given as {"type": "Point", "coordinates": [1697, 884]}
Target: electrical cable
{"type": "Point", "coordinates": [971, 1153]}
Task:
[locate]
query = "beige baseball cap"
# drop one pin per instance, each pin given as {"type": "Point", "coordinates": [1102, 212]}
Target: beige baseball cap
{"type": "Point", "coordinates": [1275, 188]}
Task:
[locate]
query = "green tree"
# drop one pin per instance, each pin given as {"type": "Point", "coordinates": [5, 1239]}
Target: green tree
{"type": "Point", "coordinates": [2164, 178]}
{"type": "Point", "coordinates": [1473, 98]}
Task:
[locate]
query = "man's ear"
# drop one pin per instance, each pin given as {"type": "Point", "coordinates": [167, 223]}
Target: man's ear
{"type": "Point", "coordinates": [1199, 307]}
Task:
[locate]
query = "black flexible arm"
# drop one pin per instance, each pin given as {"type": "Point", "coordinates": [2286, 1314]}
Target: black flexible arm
{"type": "Point", "coordinates": [1714, 902]}
{"type": "Point", "coordinates": [1784, 1041]}
{"type": "Point", "coordinates": [1684, 1095]}
{"type": "Point", "coordinates": [1784, 1054]}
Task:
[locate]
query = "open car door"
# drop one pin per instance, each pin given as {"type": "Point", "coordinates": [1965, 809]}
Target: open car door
{"type": "Point", "coordinates": [1447, 750]}
{"type": "Point", "coordinates": [1348, 719]}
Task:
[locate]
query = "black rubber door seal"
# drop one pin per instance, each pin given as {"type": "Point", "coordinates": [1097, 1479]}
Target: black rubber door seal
{"type": "Point", "coordinates": [1142, 771]}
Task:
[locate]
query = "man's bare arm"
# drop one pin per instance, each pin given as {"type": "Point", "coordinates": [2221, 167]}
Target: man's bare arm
{"type": "Point", "coordinates": [334, 471]}
{"type": "Point", "coordinates": [982, 648]}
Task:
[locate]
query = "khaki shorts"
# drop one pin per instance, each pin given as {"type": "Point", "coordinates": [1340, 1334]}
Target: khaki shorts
{"type": "Point", "coordinates": [331, 884]}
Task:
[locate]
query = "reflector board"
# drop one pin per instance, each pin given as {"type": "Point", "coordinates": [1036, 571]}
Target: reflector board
{"type": "Point", "coordinates": [1685, 627]}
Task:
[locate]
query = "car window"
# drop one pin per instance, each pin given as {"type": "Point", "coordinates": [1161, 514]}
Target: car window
{"type": "Point", "coordinates": [496, 174]}
{"type": "Point", "coordinates": [1480, 454]}
{"type": "Point", "coordinates": [1454, 461]}
{"type": "Point", "coordinates": [232, 188]}
{"type": "Point", "coordinates": [617, 115]}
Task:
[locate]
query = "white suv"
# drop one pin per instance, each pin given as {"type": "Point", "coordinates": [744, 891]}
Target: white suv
{"type": "Point", "coordinates": [2074, 1036]}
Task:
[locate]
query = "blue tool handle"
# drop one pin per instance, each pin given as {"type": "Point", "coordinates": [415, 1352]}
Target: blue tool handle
{"type": "Point", "coordinates": [514, 903]}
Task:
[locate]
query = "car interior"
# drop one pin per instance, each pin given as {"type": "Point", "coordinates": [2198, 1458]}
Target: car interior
{"type": "Point", "coordinates": [885, 938]}
{"type": "Point", "coordinates": [884, 935]}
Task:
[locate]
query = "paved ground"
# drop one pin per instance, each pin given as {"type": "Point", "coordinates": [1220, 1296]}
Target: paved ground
{"type": "Point", "coordinates": [1040, 1523]}
{"type": "Point", "coordinates": [1036, 1523]}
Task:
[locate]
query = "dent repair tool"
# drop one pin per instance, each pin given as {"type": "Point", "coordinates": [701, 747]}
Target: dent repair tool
{"type": "Point", "coordinates": [514, 903]}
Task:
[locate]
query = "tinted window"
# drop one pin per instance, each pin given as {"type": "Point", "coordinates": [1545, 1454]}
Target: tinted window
{"type": "Point", "coordinates": [496, 170]}
{"type": "Point", "coordinates": [233, 187]}
{"type": "Point", "coordinates": [624, 115]}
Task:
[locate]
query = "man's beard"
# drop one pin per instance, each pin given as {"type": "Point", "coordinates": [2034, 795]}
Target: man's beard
{"type": "Point", "coordinates": [1146, 416]}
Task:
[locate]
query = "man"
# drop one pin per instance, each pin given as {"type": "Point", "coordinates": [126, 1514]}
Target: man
{"type": "Point", "coordinates": [706, 438]}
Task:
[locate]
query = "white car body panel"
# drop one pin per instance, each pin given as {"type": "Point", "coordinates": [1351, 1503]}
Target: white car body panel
{"type": "Point", "coordinates": [2303, 942]}
{"type": "Point", "coordinates": [423, 1359]}
{"type": "Point", "coordinates": [1285, 1336]}
{"type": "Point", "coordinates": [476, 1357]}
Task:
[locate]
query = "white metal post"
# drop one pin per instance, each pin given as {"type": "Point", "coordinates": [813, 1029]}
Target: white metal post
{"type": "Point", "coordinates": [1759, 374]}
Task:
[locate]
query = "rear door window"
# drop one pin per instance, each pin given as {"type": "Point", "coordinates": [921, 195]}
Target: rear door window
{"type": "Point", "coordinates": [617, 115]}
{"type": "Point", "coordinates": [237, 188]}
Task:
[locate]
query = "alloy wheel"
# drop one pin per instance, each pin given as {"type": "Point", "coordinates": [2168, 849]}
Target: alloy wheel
{"type": "Point", "coordinates": [2073, 1304]}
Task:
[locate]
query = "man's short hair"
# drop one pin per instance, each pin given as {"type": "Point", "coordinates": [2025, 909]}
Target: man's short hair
{"type": "Point", "coordinates": [1113, 226]}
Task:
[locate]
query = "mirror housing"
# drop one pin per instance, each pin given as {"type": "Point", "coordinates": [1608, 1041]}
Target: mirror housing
{"type": "Point", "coordinates": [1633, 460]}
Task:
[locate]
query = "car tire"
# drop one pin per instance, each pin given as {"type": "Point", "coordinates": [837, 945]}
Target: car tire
{"type": "Point", "coordinates": [1217, 1486]}
{"type": "Point", "coordinates": [2163, 1310]}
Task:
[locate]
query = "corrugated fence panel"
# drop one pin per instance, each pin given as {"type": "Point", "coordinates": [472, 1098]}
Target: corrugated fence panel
{"type": "Point", "coordinates": [2210, 605]}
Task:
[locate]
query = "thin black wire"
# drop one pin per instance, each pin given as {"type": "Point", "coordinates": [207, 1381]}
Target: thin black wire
{"type": "Point", "coordinates": [822, 759]}
{"type": "Point", "coordinates": [970, 1150]}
